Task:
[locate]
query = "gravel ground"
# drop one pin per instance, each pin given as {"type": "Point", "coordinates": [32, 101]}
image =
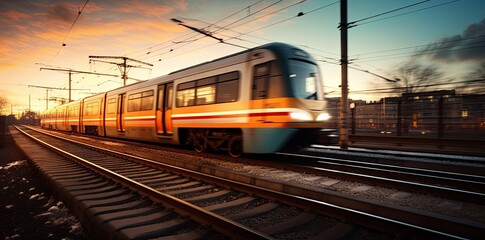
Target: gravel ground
{"type": "Point", "coordinates": [471, 211]}
{"type": "Point", "coordinates": [27, 211]}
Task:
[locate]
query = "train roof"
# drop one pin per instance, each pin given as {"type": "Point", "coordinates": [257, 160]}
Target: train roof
{"type": "Point", "coordinates": [282, 50]}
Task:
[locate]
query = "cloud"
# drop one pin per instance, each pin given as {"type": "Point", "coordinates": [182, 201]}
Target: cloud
{"type": "Point", "coordinates": [33, 30]}
{"type": "Point", "coordinates": [468, 46]}
{"type": "Point", "coordinates": [61, 13]}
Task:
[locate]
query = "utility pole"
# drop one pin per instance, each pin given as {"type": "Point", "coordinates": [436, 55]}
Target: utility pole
{"type": "Point", "coordinates": [343, 140]}
{"type": "Point", "coordinates": [74, 71]}
{"type": "Point", "coordinates": [123, 67]}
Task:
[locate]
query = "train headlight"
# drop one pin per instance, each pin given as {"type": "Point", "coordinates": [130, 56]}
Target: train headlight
{"type": "Point", "coordinates": [302, 116]}
{"type": "Point", "coordinates": [323, 117]}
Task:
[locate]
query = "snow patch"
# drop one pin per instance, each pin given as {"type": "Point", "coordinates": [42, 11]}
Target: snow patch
{"type": "Point", "coordinates": [16, 236]}
{"type": "Point", "coordinates": [12, 164]}
{"type": "Point", "coordinates": [44, 214]}
{"type": "Point", "coordinates": [53, 208]}
{"type": "Point", "coordinates": [75, 227]}
{"type": "Point", "coordinates": [34, 196]}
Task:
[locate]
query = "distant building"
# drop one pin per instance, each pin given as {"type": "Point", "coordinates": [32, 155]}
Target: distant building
{"type": "Point", "coordinates": [440, 113]}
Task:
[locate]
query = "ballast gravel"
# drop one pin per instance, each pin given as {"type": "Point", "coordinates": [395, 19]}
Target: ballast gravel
{"type": "Point", "coordinates": [389, 196]}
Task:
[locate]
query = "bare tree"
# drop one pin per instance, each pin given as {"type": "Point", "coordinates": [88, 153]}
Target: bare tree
{"type": "Point", "coordinates": [3, 104]}
{"type": "Point", "coordinates": [414, 77]}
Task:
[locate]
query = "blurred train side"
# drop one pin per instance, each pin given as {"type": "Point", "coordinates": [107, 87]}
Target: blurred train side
{"type": "Point", "coordinates": [248, 97]}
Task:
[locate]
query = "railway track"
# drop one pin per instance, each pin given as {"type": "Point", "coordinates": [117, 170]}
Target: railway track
{"type": "Point", "coordinates": [426, 180]}
{"type": "Point", "coordinates": [246, 204]}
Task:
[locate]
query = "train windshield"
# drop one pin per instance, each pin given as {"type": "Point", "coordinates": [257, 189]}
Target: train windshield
{"type": "Point", "coordinates": [304, 80]}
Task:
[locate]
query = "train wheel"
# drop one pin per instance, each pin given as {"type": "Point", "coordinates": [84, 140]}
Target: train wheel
{"type": "Point", "coordinates": [199, 147]}
{"type": "Point", "coordinates": [198, 143]}
{"type": "Point", "coordinates": [236, 147]}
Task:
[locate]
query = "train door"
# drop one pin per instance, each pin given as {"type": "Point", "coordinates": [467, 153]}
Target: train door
{"type": "Point", "coordinates": [120, 120]}
{"type": "Point", "coordinates": [164, 109]}
{"type": "Point", "coordinates": [260, 87]}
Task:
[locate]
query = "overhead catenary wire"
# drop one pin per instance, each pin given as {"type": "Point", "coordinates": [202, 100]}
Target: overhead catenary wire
{"type": "Point", "coordinates": [406, 13]}
{"type": "Point", "coordinates": [189, 39]}
{"type": "Point", "coordinates": [281, 9]}
{"type": "Point", "coordinates": [239, 35]}
{"type": "Point", "coordinates": [72, 26]}
{"type": "Point", "coordinates": [387, 12]}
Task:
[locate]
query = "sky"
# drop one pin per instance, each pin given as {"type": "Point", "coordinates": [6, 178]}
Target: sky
{"type": "Point", "coordinates": [64, 34]}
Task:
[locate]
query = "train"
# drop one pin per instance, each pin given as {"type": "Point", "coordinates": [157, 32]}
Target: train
{"type": "Point", "coordinates": [261, 100]}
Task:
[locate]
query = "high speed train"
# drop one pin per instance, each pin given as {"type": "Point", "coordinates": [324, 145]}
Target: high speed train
{"type": "Point", "coordinates": [261, 100]}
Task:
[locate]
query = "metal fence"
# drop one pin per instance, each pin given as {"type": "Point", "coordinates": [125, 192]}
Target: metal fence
{"type": "Point", "coordinates": [434, 115]}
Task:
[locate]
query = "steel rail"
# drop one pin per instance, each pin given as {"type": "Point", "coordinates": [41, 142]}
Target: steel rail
{"type": "Point", "coordinates": [223, 225]}
{"type": "Point", "coordinates": [392, 219]}
{"type": "Point", "coordinates": [355, 175]}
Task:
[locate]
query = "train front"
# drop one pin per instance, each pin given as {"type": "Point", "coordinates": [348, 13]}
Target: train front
{"type": "Point", "coordinates": [289, 90]}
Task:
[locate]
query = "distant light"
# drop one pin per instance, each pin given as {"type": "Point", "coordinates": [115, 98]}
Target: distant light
{"type": "Point", "coordinates": [292, 75]}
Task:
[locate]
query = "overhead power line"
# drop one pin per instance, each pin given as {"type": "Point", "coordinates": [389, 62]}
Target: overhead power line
{"type": "Point", "coordinates": [384, 13]}
{"type": "Point", "coordinates": [417, 10]}
{"type": "Point", "coordinates": [72, 26]}
{"type": "Point", "coordinates": [206, 33]}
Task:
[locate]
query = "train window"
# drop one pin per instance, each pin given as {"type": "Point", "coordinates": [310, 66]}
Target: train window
{"type": "Point", "coordinates": [186, 98]}
{"type": "Point", "coordinates": [206, 81]}
{"type": "Point", "coordinates": [206, 94]}
{"type": "Point", "coordinates": [227, 91]}
{"type": "Point", "coordinates": [140, 101]}
{"type": "Point", "coordinates": [147, 100]}
{"type": "Point", "coordinates": [304, 80]}
{"type": "Point", "coordinates": [96, 109]}
{"type": "Point", "coordinates": [134, 104]}
{"type": "Point", "coordinates": [216, 89]}
{"type": "Point", "coordinates": [228, 76]}
{"type": "Point", "coordinates": [186, 85]}
{"type": "Point", "coordinates": [170, 94]}
{"type": "Point", "coordinates": [111, 108]}
{"type": "Point", "coordinates": [261, 70]}
{"type": "Point", "coordinates": [260, 81]}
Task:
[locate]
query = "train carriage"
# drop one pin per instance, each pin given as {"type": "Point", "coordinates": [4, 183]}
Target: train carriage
{"type": "Point", "coordinates": [256, 101]}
